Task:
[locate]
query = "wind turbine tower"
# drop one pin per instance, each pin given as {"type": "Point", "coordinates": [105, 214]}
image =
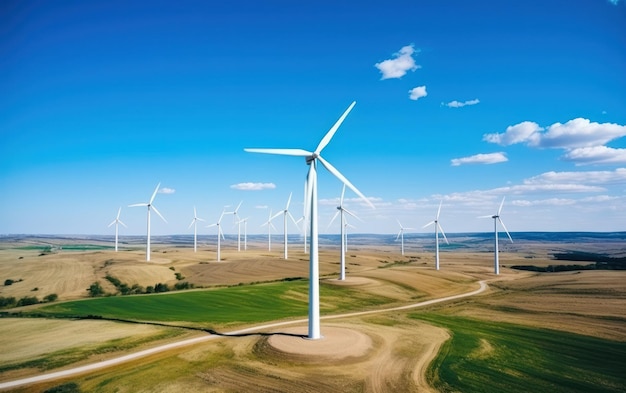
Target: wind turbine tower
{"type": "Point", "coordinates": [117, 221]}
{"type": "Point", "coordinates": [437, 229]}
{"type": "Point", "coordinates": [194, 222]}
{"type": "Point", "coordinates": [401, 235]}
{"type": "Point", "coordinates": [286, 213]}
{"type": "Point", "coordinates": [496, 219]}
{"type": "Point", "coordinates": [150, 207]}
{"type": "Point", "coordinates": [340, 212]}
{"type": "Point", "coordinates": [220, 234]}
{"type": "Point", "coordinates": [312, 159]}
{"type": "Point", "coordinates": [269, 230]}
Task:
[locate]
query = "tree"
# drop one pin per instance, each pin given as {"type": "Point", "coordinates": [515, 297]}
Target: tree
{"type": "Point", "coordinates": [95, 289]}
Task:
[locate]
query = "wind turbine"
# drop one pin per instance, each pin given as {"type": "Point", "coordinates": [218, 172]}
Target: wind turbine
{"type": "Point", "coordinates": [238, 222]}
{"type": "Point", "coordinates": [346, 226]}
{"type": "Point", "coordinates": [437, 229]}
{"type": "Point", "coordinates": [286, 213]}
{"type": "Point", "coordinates": [496, 218]}
{"type": "Point", "coordinates": [117, 221]}
{"type": "Point", "coordinates": [194, 222]}
{"type": "Point", "coordinates": [150, 206]}
{"type": "Point", "coordinates": [401, 234]}
{"type": "Point", "coordinates": [219, 234]}
{"type": "Point", "coordinates": [312, 158]}
{"type": "Point", "coordinates": [245, 232]}
{"type": "Point", "coordinates": [269, 230]}
{"type": "Point", "coordinates": [340, 212]}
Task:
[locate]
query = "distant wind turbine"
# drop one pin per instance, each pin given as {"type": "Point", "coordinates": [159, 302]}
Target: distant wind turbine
{"type": "Point", "coordinates": [437, 229]}
{"type": "Point", "coordinates": [340, 212]}
{"type": "Point", "coordinates": [286, 213]}
{"type": "Point", "coordinates": [117, 221]}
{"type": "Point", "coordinates": [269, 230]}
{"type": "Point", "coordinates": [194, 222]}
{"type": "Point", "coordinates": [496, 218]}
{"type": "Point", "coordinates": [312, 158]}
{"type": "Point", "coordinates": [245, 232]}
{"type": "Point", "coordinates": [401, 234]}
{"type": "Point", "coordinates": [150, 206]}
{"type": "Point", "coordinates": [220, 234]}
{"type": "Point", "coordinates": [238, 222]}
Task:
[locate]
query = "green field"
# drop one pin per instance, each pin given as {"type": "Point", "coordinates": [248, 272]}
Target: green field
{"type": "Point", "coordinates": [484, 356]}
{"type": "Point", "coordinates": [221, 306]}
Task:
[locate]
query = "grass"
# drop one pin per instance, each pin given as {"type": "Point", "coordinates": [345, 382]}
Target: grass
{"type": "Point", "coordinates": [72, 355]}
{"type": "Point", "coordinates": [219, 307]}
{"type": "Point", "coordinates": [499, 357]}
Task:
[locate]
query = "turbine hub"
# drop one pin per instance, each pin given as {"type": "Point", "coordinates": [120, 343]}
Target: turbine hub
{"type": "Point", "coordinates": [309, 159]}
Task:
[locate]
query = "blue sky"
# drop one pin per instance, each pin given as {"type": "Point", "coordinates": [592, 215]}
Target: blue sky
{"type": "Point", "coordinates": [461, 102]}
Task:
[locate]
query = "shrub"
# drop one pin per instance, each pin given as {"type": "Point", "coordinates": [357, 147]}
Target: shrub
{"type": "Point", "coordinates": [179, 276]}
{"type": "Point", "coordinates": [50, 298]}
{"type": "Point", "coordinates": [183, 285]}
{"type": "Point", "coordinates": [95, 289]}
{"type": "Point", "coordinates": [8, 282]}
{"type": "Point", "coordinates": [27, 301]}
{"type": "Point", "coordinates": [7, 302]}
{"type": "Point", "coordinates": [70, 387]}
{"type": "Point", "coordinates": [161, 288]}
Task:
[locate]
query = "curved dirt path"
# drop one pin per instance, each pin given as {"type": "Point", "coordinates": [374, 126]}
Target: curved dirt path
{"type": "Point", "coordinates": [140, 354]}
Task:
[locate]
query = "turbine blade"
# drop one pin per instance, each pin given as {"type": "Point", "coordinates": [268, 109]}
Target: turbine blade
{"type": "Point", "coordinates": [501, 204]}
{"type": "Point", "coordinates": [118, 213]}
{"type": "Point", "coordinates": [211, 225]}
{"type": "Point", "coordinates": [138, 204]}
{"type": "Point", "coordinates": [293, 220]}
{"type": "Point", "coordinates": [429, 224]}
{"type": "Point", "coordinates": [352, 214]}
{"type": "Point", "coordinates": [443, 233]}
{"type": "Point", "coordinates": [488, 216]}
{"type": "Point", "coordinates": [333, 129]}
{"type": "Point", "coordinates": [343, 191]}
{"type": "Point", "coordinates": [276, 215]}
{"type": "Point", "coordinates": [113, 222]}
{"type": "Point", "coordinates": [399, 233]}
{"type": "Point", "coordinates": [157, 212]}
{"type": "Point", "coordinates": [505, 230]}
{"type": "Point", "coordinates": [288, 201]}
{"type": "Point", "coordinates": [238, 206]}
{"type": "Point", "coordinates": [190, 225]}
{"type": "Point", "coordinates": [122, 223]}
{"type": "Point", "coordinates": [195, 214]}
{"type": "Point", "coordinates": [154, 193]}
{"type": "Point", "coordinates": [284, 152]}
{"type": "Point", "coordinates": [333, 219]}
{"type": "Point", "coordinates": [341, 177]}
{"type": "Point", "coordinates": [398, 221]}
{"type": "Point", "coordinates": [439, 211]}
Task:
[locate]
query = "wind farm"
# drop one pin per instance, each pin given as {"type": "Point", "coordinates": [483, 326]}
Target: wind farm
{"type": "Point", "coordinates": [456, 118]}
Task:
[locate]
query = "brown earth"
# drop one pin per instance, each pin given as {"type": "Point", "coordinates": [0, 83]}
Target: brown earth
{"type": "Point", "coordinates": [374, 353]}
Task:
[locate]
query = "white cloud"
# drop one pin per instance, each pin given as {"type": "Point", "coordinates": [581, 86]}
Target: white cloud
{"type": "Point", "coordinates": [459, 104]}
{"type": "Point", "coordinates": [417, 93]}
{"type": "Point", "coordinates": [576, 133]}
{"type": "Point", "coordinates": [398, 66]}
{"type": "Point", "coordinates": [166, 190]}
{"type": "Point", "coordinates": [522, 132]}
{"type": "Point", "coordinates": [253, 186]}
{"type": "Point", "coordinates": [617, 176]}
{"type": "Point", "coordinates": [596, 155]}
{"type": "Point", "coordinates": [261, 207]}
{"type": "Point", "coordinates": [490, 158]}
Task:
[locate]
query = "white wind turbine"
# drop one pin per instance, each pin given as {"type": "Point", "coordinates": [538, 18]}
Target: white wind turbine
{"type": "Point", "coordinates": [194, 222]}
{"type": "Point", "coordinates": [312, 158]}
{"type": "Point", "coordinates": [220, 234]}
{"type": "Point", "coordinates": [238, 222]}
{"type": "Point", "coordinates": [437, 229]}
{"type": "Point", "coordinates": [117, 221]}
{"type": "Point", "coordinates": [269, 230]}
{"type": "Point", "coordinates": [150, 206]}
{"type": "Point", "coordinates": [346, 226]}
{"type": "Point", "coordinates": [340, 212]}
{"type": "Point", "coordinates": [401, 234]}
{"type": "Point", "coordinates": [496, 218]}
{"type": "Point", "coordinates": [286, 213]}
{"type": "Point", "coordinates": [245, 232]}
